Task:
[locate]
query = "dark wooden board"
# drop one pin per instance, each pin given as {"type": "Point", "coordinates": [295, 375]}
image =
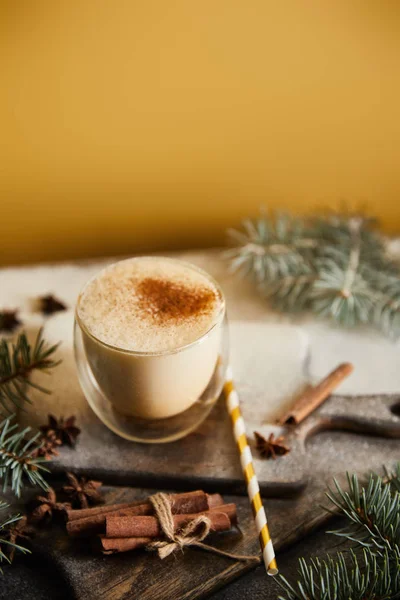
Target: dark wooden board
{"type": "Point", "coordinates": [195, 574]}
{"type": "Point", "coordinates": [208, 456]}
{"type": "Point", "coordinates": [269, 361]}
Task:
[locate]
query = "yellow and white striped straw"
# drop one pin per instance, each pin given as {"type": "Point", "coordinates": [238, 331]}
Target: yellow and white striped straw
{"type": "Point", "coordinates": [246, 459]}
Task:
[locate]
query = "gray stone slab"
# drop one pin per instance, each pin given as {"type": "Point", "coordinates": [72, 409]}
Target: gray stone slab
{"type": "Point", "coordinates": [269, 356]}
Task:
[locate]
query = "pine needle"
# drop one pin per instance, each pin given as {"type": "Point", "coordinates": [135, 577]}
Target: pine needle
{"type": "Point", "coordinates": [6, 544]}
{"type": "Point", "coordinates": [17, 362]}
{"type": "Point", "coordinates": [335, 266]}
{"type": "Point", "coordinates": [19, 463]}
{"type": "Point", "coordinates": [370, 570]}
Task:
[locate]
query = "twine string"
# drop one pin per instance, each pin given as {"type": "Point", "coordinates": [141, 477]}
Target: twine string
{"type": "Point", "coordinates": [191, 534]}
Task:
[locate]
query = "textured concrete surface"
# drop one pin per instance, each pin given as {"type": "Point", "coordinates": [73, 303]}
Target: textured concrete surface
{"type": "Point", "coordinates": [272, 357]}
{"type": "Point", "coordinates": [32, 579]}
{"type": "Point", "coordinates": [269, 352]}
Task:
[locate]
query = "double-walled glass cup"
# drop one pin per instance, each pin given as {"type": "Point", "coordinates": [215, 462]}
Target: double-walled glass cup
{"type": "Point", "coordinates": [153, 397]}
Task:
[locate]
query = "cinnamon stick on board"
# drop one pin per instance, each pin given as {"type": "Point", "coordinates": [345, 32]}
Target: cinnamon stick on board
{"type": "Point", "coordinates": [116, 545]}
{"type": "Point", "coordinates": [178, 499]}
{"type": "Point", "coordinates": [81, 513]}
{"type": "Point", "coordinates": [146, 526]}
{"type": "Point", "coordinates": [219, 522]}
{"type": "Point", "coordinates": [190, 502]}
{"type": "Point", "coordinates": [314, 396]}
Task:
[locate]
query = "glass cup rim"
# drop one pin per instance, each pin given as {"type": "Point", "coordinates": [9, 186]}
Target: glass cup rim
{"type": "Point", "coordinates": [218, 320]}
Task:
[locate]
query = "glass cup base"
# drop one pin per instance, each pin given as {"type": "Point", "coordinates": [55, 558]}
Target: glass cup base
{"type": "Point", "coordinates": [149, 431]}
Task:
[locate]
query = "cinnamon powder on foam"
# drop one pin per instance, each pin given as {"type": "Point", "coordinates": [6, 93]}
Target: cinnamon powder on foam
{"type": "Point", "coordinates": [148, 305]}
{"type": "Point", "coordinates": [167, 301]}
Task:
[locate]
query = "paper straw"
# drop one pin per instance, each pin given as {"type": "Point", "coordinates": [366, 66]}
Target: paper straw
{"type": "Point", "coordinates": [246, 459]}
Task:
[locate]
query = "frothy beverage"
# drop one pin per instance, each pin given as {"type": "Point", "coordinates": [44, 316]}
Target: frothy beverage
{"type": "Point", "coordinates": [151, 331]}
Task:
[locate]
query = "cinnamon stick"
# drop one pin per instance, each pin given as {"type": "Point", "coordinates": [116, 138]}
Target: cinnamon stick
{"type": "Point", "coordinates": [214, 500]}
{"type": "Point", "coordinates": [314, 396]}
{"type": "Point", "coordinates": [117, 545]}
{"type": "Point", "coordinates": [74, 514]}
{"type": "Point", "coordinates": [148, 526]}
{"type": "Point", "coordinates": [178, 499]}
{"type": "Point", "coordinates": [190, 502]}
{"type": "Point", "coordinates": [220, 522]}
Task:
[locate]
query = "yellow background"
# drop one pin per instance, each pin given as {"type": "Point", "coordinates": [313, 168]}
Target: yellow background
{"type": "Point", "coordinates": [127, 125]}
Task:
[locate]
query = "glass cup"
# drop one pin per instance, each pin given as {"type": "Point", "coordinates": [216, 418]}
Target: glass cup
{"type": "Point", "coordinates": [153, 397]}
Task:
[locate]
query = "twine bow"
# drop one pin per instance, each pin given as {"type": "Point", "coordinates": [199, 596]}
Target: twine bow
{"type": "Point", "coordinates": [191, 534]}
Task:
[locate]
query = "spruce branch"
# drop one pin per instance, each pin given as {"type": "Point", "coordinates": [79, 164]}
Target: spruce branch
{"type": "Point", "coordinates": [387, 306]}
{"type": "Point", "coordinates": [345, 577]}
{"type": "Point", "coordinates": [17, 362]}
{"type": "Point", "coordinates": [271, 249]}
{"type": "Point", "coordinates": [393, 477]}
{"type": "Point", "coordinates": [292, 293]}
{"type": "Point", "coordinates": [19, 460]}
{"type": "Point", "coordinates": [373, 513]}
{"type": "Point", "coordinates": [7, 545]}
{"type": "Point", "coordinates": [371, 568]}
{"type": "Point", "coordinates": [336, 266]}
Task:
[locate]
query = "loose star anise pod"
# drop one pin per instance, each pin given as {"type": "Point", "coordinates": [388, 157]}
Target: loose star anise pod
{"type": "Point", "coordinates": [47, 505]}
{"type": "Point", "coordinates": [48, 449]}
{"type": "Point", "coordinates": [65, 430]}
{"type": "Point", "coordinates": [49, 305]}
{"type": "Point", "coordinates": [271, 447]}
{"type": "Point", "coordinates": [83, 491]}
{"type": "Point", "coordinates": [19, 530]}
{"type": "Point", "coordinates": [9, 320]}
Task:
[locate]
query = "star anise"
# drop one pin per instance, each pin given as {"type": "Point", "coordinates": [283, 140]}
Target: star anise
{"type": "Point", "coordinates": [83, 491]}
{"type": "Point", "coordinates": [271, 447]}
{"type": "Point", "coordinates": [65, 430]}
{"type": "Point", "coordinates": [19, 530]}
{"type": "Point", "coordinates": [48, 448]}
{"type": "Point", "coordinates": [47, 505]}
{"type": "Point", "coordinates": [49, 305]}
{"type": "Point", "coordinates": [9, 320]}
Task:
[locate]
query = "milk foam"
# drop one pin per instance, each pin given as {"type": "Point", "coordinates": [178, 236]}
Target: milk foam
{"type": "Point", "coordinates": [114, 309]}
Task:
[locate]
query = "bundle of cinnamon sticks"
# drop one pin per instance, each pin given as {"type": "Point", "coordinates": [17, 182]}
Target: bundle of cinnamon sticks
{"type": "Point", "coordinates": [123, 527]}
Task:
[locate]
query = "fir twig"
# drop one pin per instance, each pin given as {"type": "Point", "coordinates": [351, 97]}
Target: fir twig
{"type": "Point", "coordinates": [19, 461]}
{"type": "Point", "coordinates": [393, 477]}
{"type": "Point", "coordinates": [17, 362]}
{"type": "Point", "coordinates": [8, 547]}
{"type": "Point", "coordinates": [345, 577]}
{"type": "Point", "coordinates": [373, 515]}
{"type": "Point", "coordinates": [335, 266]}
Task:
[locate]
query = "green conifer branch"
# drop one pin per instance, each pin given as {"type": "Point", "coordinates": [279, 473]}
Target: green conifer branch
{"type": "Point", "coordinates": [335, 266]}
{"type": "Point", "coordinates": [393, 477]}
{"type": "Point", "coordinates": [19, 462]}
{"type": "Point", "coordinates": [17, 362]}
{"type": "Point", "coordinates": [6, 544]}
{"type": "Point", "coordinates": [370, 570]}
{"type": "Point", "coordinates": [373, 513]}
{"type": "Point", "coordinates": [345, 577]}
